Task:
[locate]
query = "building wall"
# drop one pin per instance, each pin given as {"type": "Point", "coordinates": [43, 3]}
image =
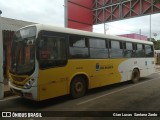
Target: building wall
{"type": "Point", "coordinates": [135, 36]}
{"type": "Point", "coordinates": [9, 26]}
{"type": "Point", "coordinates": [7, 41]}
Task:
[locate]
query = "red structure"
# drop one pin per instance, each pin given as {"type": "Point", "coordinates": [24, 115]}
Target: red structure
{"type": "Point", "coordinates": [82, 14]}
{"type": "Point", "coordinates": [135, 36]}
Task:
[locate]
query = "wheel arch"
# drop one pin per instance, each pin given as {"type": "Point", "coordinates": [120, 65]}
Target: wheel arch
{"type": "Point", "coordinates": [135, 67]}
{"type": "Point", "coordinates": [84, 75]}
{"type": "Point", "coordinates": [135, 77]}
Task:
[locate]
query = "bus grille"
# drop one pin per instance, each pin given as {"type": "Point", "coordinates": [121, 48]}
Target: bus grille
{"type": "Point", "coordinates": [17, 85]}
{"type": "Point", "coordinates": [18, 79]}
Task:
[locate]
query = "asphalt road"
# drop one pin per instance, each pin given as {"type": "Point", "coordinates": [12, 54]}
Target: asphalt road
{"type": "Point", "coordinates": [123, 98]}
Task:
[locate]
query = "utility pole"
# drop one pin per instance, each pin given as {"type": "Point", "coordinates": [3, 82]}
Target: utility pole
{"type": "Point", "coordinates": [140, 33]}
{"type": "Point", "coordinates": [65, 13]}
{"type": "Point", "coordinates": [150, 28]}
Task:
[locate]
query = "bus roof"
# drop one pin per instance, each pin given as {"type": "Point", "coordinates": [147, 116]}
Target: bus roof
{"type": "Point", "coordinates": [85, 33]}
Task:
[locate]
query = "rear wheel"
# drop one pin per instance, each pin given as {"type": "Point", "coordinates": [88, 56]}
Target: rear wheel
{"type": "Point", "coordinates": [78, 87]}
{"type": "Point", "coordinates": [135, 76]}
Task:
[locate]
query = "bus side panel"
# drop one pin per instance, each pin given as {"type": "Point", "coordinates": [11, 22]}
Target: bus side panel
{"type": "Point", "coordinates": [101, 72]}
{"type": "Point", "coordinates": [55, 82]}
{"type": "Point", "coordinates": [107, 73]}
{"type": "Point", "coordinates": [52, 83]}
{"type": "Point", "coordinates": [146, 67]}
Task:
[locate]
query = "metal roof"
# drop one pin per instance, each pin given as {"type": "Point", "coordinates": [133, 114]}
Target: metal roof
{"type": "Point", "coordinates": [12, 24]}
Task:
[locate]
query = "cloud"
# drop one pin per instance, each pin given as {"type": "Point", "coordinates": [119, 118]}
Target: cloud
{"type": "Point", "coordinates": [133, 25]}
{"type": "Point", "coordinates": [52, 12]}
{"type": "Point", "coordinates": [38, 11]}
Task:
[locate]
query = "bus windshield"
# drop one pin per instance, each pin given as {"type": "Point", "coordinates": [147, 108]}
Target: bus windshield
{"type": "Point", "coordinates": [23, 51]}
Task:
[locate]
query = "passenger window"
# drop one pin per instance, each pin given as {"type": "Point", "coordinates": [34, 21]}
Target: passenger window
{"type": "Point", "coordinates": [116, 51]}
{"type": "Point", "coordinates": [78, 47]}
{"type": "Point", "coordinates": [52, 51]}
{"type": "Point", "coordinates": [140, 51]}
{"type": "Point", "coordinates": [97, 43]}
{"type": "Point", "coordinates": [149, 51]}
{"type": "Point", "coordinates": [98, 48]}
{"type": "Point", "coordinates": [128, 51]}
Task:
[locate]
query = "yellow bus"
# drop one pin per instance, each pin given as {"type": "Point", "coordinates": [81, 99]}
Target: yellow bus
{"type": "Point", "coordinates": [48, 61]}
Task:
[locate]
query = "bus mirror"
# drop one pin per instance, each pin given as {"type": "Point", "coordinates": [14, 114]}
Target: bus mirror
{"type": "Point", "coordinates": [30, 42]}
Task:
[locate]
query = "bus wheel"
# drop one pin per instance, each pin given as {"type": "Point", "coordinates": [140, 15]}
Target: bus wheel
{"type": "Point", "coordinates": [78, 87]}
{"type": "Point", "coordinates": [135, 76]}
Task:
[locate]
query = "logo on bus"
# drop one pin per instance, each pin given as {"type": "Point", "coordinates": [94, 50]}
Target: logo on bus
{"type": "Point", "coordinates": [146, 63]}
{"type": "Point", "coordinates": [97, 67]}
{"type": "Point", "coordinates": [103, 67]}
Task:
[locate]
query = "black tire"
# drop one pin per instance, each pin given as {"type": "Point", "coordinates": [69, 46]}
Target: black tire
{"type": "Point", "coordinates": [78, 87]}
{"type": "Point", "coordinates": [135, 76]}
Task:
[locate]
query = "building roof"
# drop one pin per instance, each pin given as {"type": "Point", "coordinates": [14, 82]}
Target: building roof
{"type": "Point", "coordinates": [12, 24]}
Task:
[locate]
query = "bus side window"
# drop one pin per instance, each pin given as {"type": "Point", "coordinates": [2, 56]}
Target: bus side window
{"type": "Point", "coordinates": [44, 50]}
{"type": "Point", "coordinates": [149, 51]}
{"type": "Point", "coordinates": [98, 48]}
{"type": "Point", "coordinates": [115, 50]}
{"type": "Point", "coordinates": [52, 51]}
{"type": "Point", "coordinates": [78, 47]}
{"type": "Point", "coordinates": [140, 50]}
{"type": "Point", "coordinates": [128, 51]}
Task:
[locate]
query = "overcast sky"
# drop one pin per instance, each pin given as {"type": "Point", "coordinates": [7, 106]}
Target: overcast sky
{"type": "Point", "coordinates": [52, 12]}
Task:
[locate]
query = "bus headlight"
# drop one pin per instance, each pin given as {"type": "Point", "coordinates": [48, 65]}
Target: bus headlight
{"type": "Point", "coordinates": [29, 84]}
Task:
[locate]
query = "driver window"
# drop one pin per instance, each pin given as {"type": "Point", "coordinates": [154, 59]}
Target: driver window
{"type": "Point", "coordinates": [48, 51]}
{"type": "Point", "coordinates": [52, 51]}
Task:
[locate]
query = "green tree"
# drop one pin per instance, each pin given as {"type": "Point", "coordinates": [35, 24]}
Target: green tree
{"type": "Point", "coordinates": [156, 44]}
{"type": "Point", "coordinates": [157, 1]}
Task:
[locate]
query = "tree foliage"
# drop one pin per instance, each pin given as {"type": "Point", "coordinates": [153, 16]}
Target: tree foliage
{"type": "Point", "coordinates": [156, 44]}
{"type": "Point", "coordinates": [157, 1]}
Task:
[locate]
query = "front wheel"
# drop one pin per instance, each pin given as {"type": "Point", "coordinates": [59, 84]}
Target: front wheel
{"type": "Point", "coordinates": [78, 87]}
{"type": "Point", "coordinates": [135, 76]}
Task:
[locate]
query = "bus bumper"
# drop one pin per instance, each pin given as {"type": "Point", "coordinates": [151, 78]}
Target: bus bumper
{"type": "Point", "coordinates": [26, 93]}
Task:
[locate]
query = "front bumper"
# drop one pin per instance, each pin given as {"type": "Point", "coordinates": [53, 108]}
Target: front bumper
{"type": "Point", "coordinates": [26, 93]}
